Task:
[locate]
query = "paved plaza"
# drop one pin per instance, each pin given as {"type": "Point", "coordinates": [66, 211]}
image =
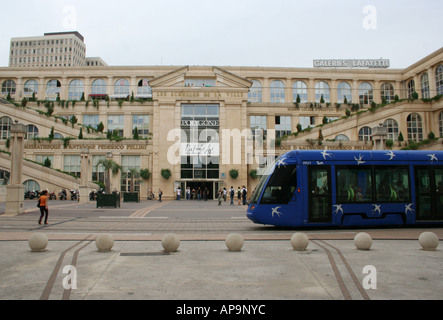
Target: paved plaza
{"type": "Point", "coordinates": [267, 267]}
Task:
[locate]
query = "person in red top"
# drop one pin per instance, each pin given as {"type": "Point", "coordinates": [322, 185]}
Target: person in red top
{"type": "Point", "coordinates": [43, 205]}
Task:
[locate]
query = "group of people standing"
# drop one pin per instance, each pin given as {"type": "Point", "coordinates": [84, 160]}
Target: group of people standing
{"type": "Point", "coordinates": [241, 195]}
{"type": "Point", "coordinates": [194, 194]}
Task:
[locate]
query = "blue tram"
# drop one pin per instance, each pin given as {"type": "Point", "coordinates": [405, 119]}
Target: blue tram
{"type": "Point", "coordinates": [350, 188]}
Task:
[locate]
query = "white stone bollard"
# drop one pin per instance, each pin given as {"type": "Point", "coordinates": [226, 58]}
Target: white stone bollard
{"type": "Point", "coordinates": [299, 241]}
{"type": "Point", "coordinates": [363, 241]}
{"type": "Point", "coordinates": [234, 242]}
{"type": "Point", "coordinates": [428, 241]}
{"type": "Point", "coordinates": [104, 242]}
{"type": "Point", "coordinates": [170, 242]}
{"type": "Point", "coordinates": [38, 242]}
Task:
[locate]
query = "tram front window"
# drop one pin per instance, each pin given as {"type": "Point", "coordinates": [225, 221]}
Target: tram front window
{"type": "Point", "coordinates": [281, 185]}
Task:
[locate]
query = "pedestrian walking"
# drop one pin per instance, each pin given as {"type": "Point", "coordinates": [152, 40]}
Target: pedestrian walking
{"type": "Point", "coordinates": [220, 196]}
{"type": "Point", "coordinates": [43, 205]}
{"type": "Point", "coordinates": [239, 195]}
{"type": "Point", "coordinates": [231, 195]}
{"type": "Point", "coordinates": [160, 193]}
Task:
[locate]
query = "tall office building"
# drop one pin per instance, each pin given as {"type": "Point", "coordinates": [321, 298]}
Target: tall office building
{"type": "Point", "coordinates": [57, 49]}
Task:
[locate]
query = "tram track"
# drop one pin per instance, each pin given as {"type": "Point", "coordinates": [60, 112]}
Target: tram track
{"type": "Point", "coordinates": [338, 275]}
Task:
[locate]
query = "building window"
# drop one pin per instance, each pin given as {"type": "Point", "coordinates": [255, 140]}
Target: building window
{"type": "Point", "coordinates": [98, 87]}
{"type": "Point", "coordinates": [258, 127]}
{"type": "Point", "coordinates": [307, 121]}
{"type": "Point", "coordinates": [31, 87]}
{"type": "Point", "coordinates": [365, 134]}
{"type": "Point", "coordinates": [277, 91]}
{"type": "Point", "coordinates": [415, 129]}
{"type": "Point", "coordinates": [31, 185]}
{"type": "Point", "coordinates": [387, 92]}
{"type": "Point", "coordinates": [53, 88]}
{"type": "Point", "coordinates": [31, 131]}
{"type": "Point", "coordinates": [8, 86]}
{"type": "Point", "coordinates": [300, 89]}
{"type": "Point", "coordinates": [141, 123]}
{"type": "Point", "coordinates": [255, 92]}
{"type": "Point", "coordinates": [98, 171]}
{"type": "Point", "coordinates": [144, 90]}
{"type": "Point", "coordinates": [439, 79]}
{"type": "Point", "coordinates": [116, 124]}
{"type": "Point", "coordinates": [121, 87]}
{"type": "Point", "coordinates": [392, 127]}
{"type": "Point", "coordinates": [365, 93]}
{"type": "Point", "coordinates": [76, 89]}
{"type": "Point", "coordinates": [5, 127]}
{"type": "Point", "coordinates": [282, 126]}
{"type": "Point", "coordinates": [341, 137]}
{"type": "Point", "coordinates": [42, 158]}
{"type": "Point", "coordinates": [72, 164]}
{"type": "Point", "coordinates": [344, 93]}
{"type": "Point", "coordinates": [411, 88]}
{"type": "Point", "coordinates": [322, 91]}
{"type": "Point", "coordinates": [425, 94]}
{"type": "Point", "coordinates": [91, 120]}
{"type": "Point", "coordinates": [130, 173]}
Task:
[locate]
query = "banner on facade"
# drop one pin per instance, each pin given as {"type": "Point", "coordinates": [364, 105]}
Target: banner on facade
{"type": "Point", "coordinates": [200, 149]}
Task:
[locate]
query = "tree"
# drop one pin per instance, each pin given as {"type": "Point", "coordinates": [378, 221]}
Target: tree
{"type": "Point", "coordinates": [400, 138]}
{"type": "Point", "coordinates": [100, 127]}
{"type": "Point", "coordinates": [47, 163]}
{"type": "Point", "coordinates": [109, 165]}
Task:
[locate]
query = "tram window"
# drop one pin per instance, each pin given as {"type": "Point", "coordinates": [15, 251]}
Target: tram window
{"type": "Point", "coordinates": [354, 184]}
{"type": "Point", "coordinates": [392, 184]}
{"type": "Point", "coordinates": [281, 185]}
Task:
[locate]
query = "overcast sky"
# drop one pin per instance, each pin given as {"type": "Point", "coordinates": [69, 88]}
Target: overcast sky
{"type": "Point", "coordinates": [283, 33]}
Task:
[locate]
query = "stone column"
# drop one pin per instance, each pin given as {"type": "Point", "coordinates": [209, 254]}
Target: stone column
{"type": "Point", "coordinates": [83, 189]}
{"type": "Point", "coordinates": [15, 191]}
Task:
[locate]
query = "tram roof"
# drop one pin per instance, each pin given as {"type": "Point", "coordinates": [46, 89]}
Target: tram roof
{"type": "Point", "coordinates": [361, 156]}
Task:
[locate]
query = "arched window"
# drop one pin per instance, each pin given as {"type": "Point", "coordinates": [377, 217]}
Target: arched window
{"type": "Point", "coordinates": [53, 87]}
{"type": "Point", "coordinates": [5, 127]}
{"type": "Point", "coordinates": [8, 86]}
{"type": "Point", "coordinates": [121, 87]}
{"type": "Point", "coordinates": [98, 87]}
{"type": "Point", "coordinates": [322, 90]}
{"type": "Point", "coordinates": [341, 137]}
{"type": "Point", "coordinates": [439, 79]}
{"type": "Point", "coordinates": [392, 128]}
{"type": "Point", "coordinates": [277, 91]}
{"type": "Point", "coordinates": [4, 177]}
{"type": "Point", "coordinates": [344, 92]}
{"type": "Point", "coordinates": [387, 92]}
{"type": "Point", "coordinates": [76, 89]}
{"type": "Point", "coordinates": [440, 124]}
{"type": "Point", "coordinates": [411, 88]}
{"type": "Point", "coordinates": [144, 90]}
{"type": "Point", "coordinates": [31, 131]}
{"type": "Point", "coordinates": [365, 134]}
{"type": "Point", "coordinates": [300, 89]}
{"type": "Point", "coordinates": [31, 185]}
{"type": "Point", "coordinates": [31, 87]}
{"type": "Point", "coordinates": [255, 92]}
{"type": "Point", "coordinates": [415, 129]}
{"type": "Point", "coordinates": [365, 93]}
{"type": "Point", "coordinates": [58, 135]}
{"type": "Point", "coordinates": [424, 81]}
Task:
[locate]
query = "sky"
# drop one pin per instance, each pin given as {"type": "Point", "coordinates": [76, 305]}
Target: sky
{"type": "Point", "coordinates": [271, 33]}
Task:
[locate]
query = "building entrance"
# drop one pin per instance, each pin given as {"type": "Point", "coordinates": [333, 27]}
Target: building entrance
{"type": "Point", "coordinates": [196, 186]}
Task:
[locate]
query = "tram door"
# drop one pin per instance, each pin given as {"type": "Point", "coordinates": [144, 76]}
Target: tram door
{"type": "Point", "coordinates": [429, 192]}
{"type": "Point", "coordinates": [319, 194]}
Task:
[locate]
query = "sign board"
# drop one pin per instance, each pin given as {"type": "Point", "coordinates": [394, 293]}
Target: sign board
{"type": "Point", "coordinates": [200, 149]}
{"type": "Point", "coordinates": [352, 63]}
